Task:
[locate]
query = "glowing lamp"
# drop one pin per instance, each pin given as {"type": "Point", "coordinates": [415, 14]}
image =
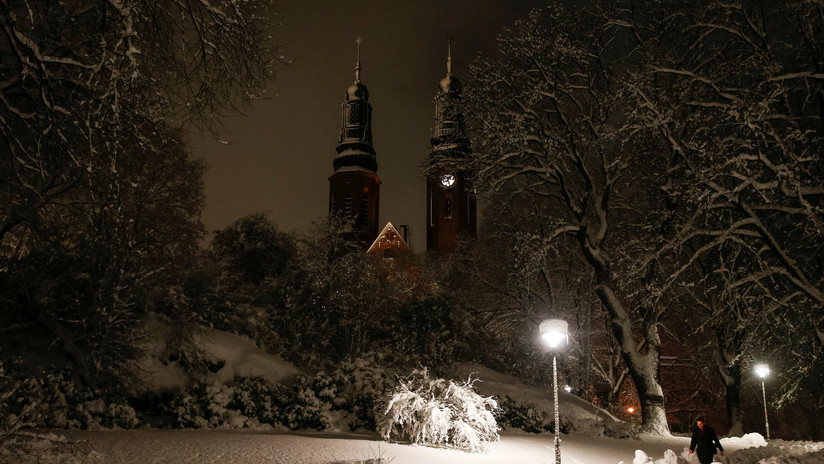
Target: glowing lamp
{"type": "Point", "coordinates": [554, 332]}
{"type": "Point", "coordinates": [763, 370]}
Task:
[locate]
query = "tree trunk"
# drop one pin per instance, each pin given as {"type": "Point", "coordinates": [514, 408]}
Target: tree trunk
{"type": "Point", "coordinates": [730, 371]}
{"type": "Point", "coordinates": [653, 412]}
{"type": "Point", "coordinates": [643, 367]}
{"type": "Point", "coordinates": [733, 400]}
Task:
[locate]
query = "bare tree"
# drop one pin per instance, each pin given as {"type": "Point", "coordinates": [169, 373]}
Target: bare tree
{"type": "Point", "coordinates": [84, 83]}
{"type": "Point", "coordinates": [99, 199]}
{"type": "Point", "coordinates": [742, 118]}
{"type": "Point", "coordinates": [548, 118]}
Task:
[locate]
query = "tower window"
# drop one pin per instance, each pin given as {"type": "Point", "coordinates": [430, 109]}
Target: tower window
{"type": "Point", "coordinates": [364, 213]}
{"type": "Point", "coordinates": [448, 205]}
{"type": "Point", "coordinates": [347, 205]}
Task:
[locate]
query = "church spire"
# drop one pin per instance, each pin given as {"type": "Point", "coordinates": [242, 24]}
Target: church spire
{"type": "Point", "coordinates": [355, 141]}
{"type": "Point", "coordinates": [449, 58]}
{"type": "Point", "coordinates": [354, 188]}
{"type": "Point", "coordinates": [450, 209]}
{"type": "Point", "coordinates": [357, 63]}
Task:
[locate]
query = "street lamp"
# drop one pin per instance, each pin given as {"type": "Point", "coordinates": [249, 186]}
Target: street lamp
{"type": "Point", "coordinates": [555, 336]}
{"type": "Point", "coordinates": [763, 370]}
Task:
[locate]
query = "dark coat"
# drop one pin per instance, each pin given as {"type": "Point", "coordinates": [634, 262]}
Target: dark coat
{"type": "Point", "coordinates": [706, 441]}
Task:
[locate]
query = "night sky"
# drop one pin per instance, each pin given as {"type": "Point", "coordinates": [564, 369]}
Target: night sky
{"type": "Point", "coordinates": [280, 153]}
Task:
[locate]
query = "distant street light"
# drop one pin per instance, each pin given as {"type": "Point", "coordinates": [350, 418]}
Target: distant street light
{"type": "Point", "coordinates": [763, 370]}
{"type": "Point", "coordinates": [568, 388]}
{"type": "Point", "coordinates": [554, 332]}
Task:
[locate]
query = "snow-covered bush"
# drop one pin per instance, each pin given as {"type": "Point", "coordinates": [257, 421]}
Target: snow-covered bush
{"type": "Point", "coordinates": [13, 417]}
{"type": "Point", "coordinates": [245, 403]}
{"type": "Point", "coordinates": [19, 444]}
{"type": "Point", "coordinates": [55, 401]}
{"type": "Point", "coordinates": [206, 406]}
{"type": "Point", "coordinates": [259, 398]}
{"type": "Point", "coordinates": [355, 387]}
{"type": "Point", "coordinates": [439, 413]}
{"type": "Point", "coordinates": [528, 417]}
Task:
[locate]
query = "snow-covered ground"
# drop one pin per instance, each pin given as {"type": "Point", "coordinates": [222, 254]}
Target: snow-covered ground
{"type": "Point", "coordinates": [585, 445]}
{"type": "Point", "coordinates": [264, 446]}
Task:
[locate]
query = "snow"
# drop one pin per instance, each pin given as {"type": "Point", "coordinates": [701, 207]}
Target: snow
{"type": "Point", "coordinates": [585, 445]}
{"type": "Point", "coordinates": [586, 417]}
{"type": "Point", "coordinates": [257, 446]}
{"type": "Point", "coordinates": [239, 355]}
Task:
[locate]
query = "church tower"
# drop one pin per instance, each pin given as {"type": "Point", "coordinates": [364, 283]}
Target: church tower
{"type": "Point", "coordinates": [450, 208]}
{"type": "Point", "coordinates": [354, 188]}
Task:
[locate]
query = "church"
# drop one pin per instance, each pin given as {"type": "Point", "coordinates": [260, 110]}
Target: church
{"type": "Point", "coordinates": [354, 187]}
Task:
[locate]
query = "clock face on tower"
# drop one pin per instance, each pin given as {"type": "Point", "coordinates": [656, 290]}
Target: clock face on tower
{"type": "Point", "coordinates": [447, 180]}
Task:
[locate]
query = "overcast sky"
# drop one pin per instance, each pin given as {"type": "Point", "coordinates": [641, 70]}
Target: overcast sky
{"type": "Point", "coordinates": [280, 156]}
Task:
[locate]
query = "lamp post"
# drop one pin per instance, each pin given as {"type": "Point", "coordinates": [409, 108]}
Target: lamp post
{"type": "Point", "coordinates": [555, 335]}
{"type": "Point", "coordinates": [763, 370]}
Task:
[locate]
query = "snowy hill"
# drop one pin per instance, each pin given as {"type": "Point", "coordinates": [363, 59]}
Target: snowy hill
{"type": "Point", "coordinates": [235, 355]}
{"type": "Point", "coordinates": [583, 415]}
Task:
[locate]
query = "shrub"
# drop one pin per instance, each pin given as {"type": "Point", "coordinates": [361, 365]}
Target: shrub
{"type": "Point", "coordinates": [18, 416]}
{"type": "Point", "coordinates": [355, 387]}
{"type": "Point", "coordinates": [528, 417]}
{"type": "Point", "coordinates": [439, 413]}
{"type": "Point", "coordinates": [55, 401]}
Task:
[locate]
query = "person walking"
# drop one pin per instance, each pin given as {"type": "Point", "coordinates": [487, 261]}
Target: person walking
{"type": "Point", "coordinates": [704, 442]}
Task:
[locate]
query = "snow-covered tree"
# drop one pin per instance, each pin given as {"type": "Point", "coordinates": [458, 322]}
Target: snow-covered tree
{"type": "Point", "coordinates": [545, 114]}
{"type": "Point", "coordinates": [663, 136]}
{"type": "Point", "coordinates": [510, 278]}
{"type": "Point", "coordinates": [99, 200]}
{"type": "Point", "coordinates": [741, 117]}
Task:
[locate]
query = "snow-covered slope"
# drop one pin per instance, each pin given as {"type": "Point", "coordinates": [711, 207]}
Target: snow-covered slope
{"type": "Point", "coordinates": [237, 356]}
{"type": "Point", "coordinates": [241, 357]}
{"type": "Point", "coordinates": [585, 417]}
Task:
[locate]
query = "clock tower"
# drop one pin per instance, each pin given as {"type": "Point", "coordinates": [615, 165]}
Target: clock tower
{"type": "Point", "coordinates": [450, 200]}
{"type": "Point", "coordinates": [354, 188]}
